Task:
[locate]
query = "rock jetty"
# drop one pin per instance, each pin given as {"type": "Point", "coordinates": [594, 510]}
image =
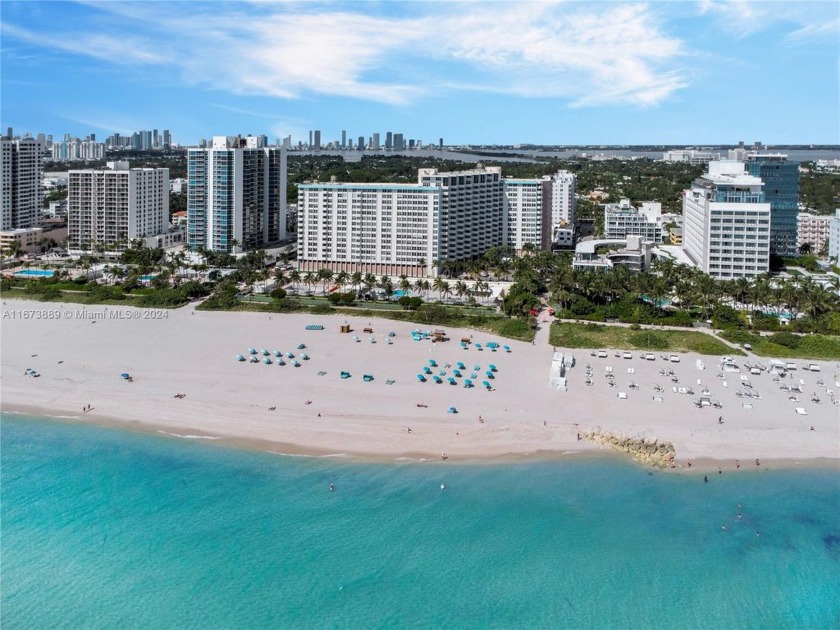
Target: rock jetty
{"type": "Point", "coordinates": [649, 451]}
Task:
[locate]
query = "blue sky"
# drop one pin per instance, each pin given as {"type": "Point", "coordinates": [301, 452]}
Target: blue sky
{"type": "Point", "coordinates": [472, 72]}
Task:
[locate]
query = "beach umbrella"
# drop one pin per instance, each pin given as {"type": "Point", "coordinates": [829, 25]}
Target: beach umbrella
{"type": "Point", "coordinates": [489, 374]}
{"type": "Point", "coordinates": [277, 353]}
{"type": "Point", "coordinates": [265, 352]}
{"type": "Point", "coordinates": [301, 346]}
{"type": "Point", "coordinates": [486, 384]}
{"type": "Point", "coordinates": [123, 375]}
{"type": "Point", "coordinates": [280, 361]}
{"type": "Point", "coordinates": [291, 355]}
{"type": "Point", "coordinates": [239, 357]}
{"type": "Point", "coordinates": [457, 373]}
{"type": "Point", "coordinates": [468, 383]}
{"type": "Point", "coordinates": [421, 378]}
{"type": "Point", "coordinates": [476, 367]}
{"type": "Point", "coordinates": [432, 362]}
{"type": "Point", "coordinates": [492, 367]}
{"type": "Point", "coordinates": [452, 410]}
{"type": "Point", "coordinates": [461, 366]}
{"type": "Point", "coordinates": [267, 361]}
{"type": "Point", "coordinates": [252, 351]}
{"type": "Point", "coordinates": [507, 348]}
{"type": "Point", "coordinates": [427, 370]}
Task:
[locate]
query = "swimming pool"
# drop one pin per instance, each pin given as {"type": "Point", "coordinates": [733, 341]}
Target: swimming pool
{"type": "Point", "coordinates": [146, 278]}
{"type": "Point", "coordinates": [35, 273]}
{"type": "Point", "coordinates": [400, 293]}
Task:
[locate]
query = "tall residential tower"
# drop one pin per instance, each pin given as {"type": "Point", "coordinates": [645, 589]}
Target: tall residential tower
{"type": "Point", "coordinates": [20, 183]}
{"type": "Point", "coordinates": [236, 192]}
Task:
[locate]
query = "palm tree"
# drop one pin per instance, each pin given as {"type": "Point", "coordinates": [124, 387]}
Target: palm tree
{"type": "Point", "coordinates": [309, 279]}
{"type": "Point", "coordinates": [369, 281]}
{"type": "Point", "coordinates": [461, 288]}
{"type": "Point", "coordinates": [438, 285]}
{"type": "Point", "coordinates": [325, 275]}
{"type": "Point", "coordinates": [418, 284]}
{"type": "Point", "coordinates": [356, 280]}
{"type": "Point", "coordinates": [294, 278]}
{"type": "Point", "coordinates": [405, 284]}
{"type": "Point", "coordinates": [341, 279]}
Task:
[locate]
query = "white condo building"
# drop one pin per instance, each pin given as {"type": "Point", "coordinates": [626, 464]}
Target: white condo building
{"type": "Point", "coordinates": [622, 220]}
{"type": "Point", "coordinates": [563, 200]}
{"type": "Point", "coordinates": [116, 205]}
{"type": "Point", "coordinates": [812, 229]}
{"type": "Point", "coordinates": [726, 222]}
{"type": "Point", "coordinates": [834, 237]}
{"type": "Point", "coordinates": [20, 183]}
{"type": "Point", "coordinates": [527, 213]}
{"type": "Point", "coordinates": [692, 156]}
{"type": "Point", "coordinates": [236, 191]}
{"type": "Point", "coordinates": [400, 228]}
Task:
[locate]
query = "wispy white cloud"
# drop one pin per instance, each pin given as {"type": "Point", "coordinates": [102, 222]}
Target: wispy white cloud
{"type": "Point", "coordinates": [811, 21]}
{"type": "Point", "coordinates": [587, 55]}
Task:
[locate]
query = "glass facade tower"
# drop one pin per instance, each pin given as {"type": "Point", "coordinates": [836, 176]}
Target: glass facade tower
{"type": "Point", "coordinates": [781, 191]}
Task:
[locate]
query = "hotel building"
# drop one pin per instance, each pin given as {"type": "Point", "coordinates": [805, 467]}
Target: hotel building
{"type": "Point", "coordinates": [527, 213]}
{"type": "Point", "coordinates": [116, 205]}
{"type": "Point", "coordinates": [400, 228]}
{"type": "Point", "coordinates": [21, 168]}
{"type": "Point", "coordinates": [236, 191]}
{"type": "Point", "coordinates": [726, 222]}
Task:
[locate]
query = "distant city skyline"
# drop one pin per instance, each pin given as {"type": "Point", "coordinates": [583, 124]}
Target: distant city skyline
{"type": "Point", "coordinates": [560, 73]}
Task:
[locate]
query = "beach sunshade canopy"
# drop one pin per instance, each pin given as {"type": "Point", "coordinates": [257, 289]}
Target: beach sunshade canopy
{"type": "Point", "coordinates": [239, 357]}
{"type": "Point", "coordinates": [492, 367]}
{"type": "Point", "coordinates": [421, 378]}
{"type": "Point", "coordinates": [252, 351]}
{"type": "Point", "coordinates": [123, 375]}
{"type": "Point", "coordinates": [277, 353]}
{"type": "Point", "coordinates": [265, 352]}
{"type": "Point", "coordinates": [486, 384]}
{"type": "Point", "coordinates": [301, 346]}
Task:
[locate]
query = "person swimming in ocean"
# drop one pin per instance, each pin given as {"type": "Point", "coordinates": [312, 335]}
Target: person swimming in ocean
{"type": "Point", "coordinates": [332, 487]}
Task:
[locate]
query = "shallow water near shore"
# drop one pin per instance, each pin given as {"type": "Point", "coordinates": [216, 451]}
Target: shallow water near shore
{"type": "Point", "coordinates": [109, 528]}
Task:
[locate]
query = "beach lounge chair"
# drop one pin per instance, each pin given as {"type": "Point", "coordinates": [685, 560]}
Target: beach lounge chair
{"type": "Point", "coordinates": [322, 373]}
{"type": "Point", "coordinates": [367, 378]}
{"type": "Point", "coordinates": [314, 327]}
{"type": "Point", "coordinates": [801, 411]}
{"type": "Point", "coordinates": [389, 381]}
{"type": "Point", "coordinates": [345, 375]}
{"type": "Point", "coordinates": [451, 381]}
{"type": "Point", "coordinates": [622, 395]}
{"type": "Point", "coordinates": [420, 378]}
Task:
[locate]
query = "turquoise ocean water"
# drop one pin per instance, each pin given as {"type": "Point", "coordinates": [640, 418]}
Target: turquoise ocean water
{"type": "Point", "coordinates": [106, 528]}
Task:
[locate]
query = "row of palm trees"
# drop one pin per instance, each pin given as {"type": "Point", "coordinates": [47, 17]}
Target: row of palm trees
{"type": "Point", "coordinates": [686, 288]}
{"type": "Point", "coordinates": [358, 280]}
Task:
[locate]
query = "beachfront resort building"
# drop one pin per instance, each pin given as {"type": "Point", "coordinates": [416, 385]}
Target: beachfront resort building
{"type": "Point", "coordinates": [622, 220]}
{"type": "Point", "coordinates": [236, 194]}
{"type": "Point", "coordinates": [812, 230]}
{"type": "Point", "coordinates": [400, 228]}
{"type": "Point", "coordinates": [726, 222]}
{"type": "Point", "coordinates": [115, 205]}
{"type": "Point", "coordinates": [781, 191]}
{"type": "Point", "coordinates": [834, 237]}
{"type": "Point", "coordinates": [21, 168]}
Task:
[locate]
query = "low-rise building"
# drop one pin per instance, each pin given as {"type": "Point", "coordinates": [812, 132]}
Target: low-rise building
{"type": "Point", "coordinates": [34, 240]}
{"type": "Point", "coordinates": [675, 236]}
{"type": "Point", "coordinates": [633, 252]}
{"type": "Point", "coordinates": [622, 220]}
{"type": "Point", "coordinates": [692, 156]}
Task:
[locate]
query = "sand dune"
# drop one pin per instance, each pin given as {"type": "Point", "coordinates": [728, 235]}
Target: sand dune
{"type": "Point", "coordinates": [193, 353]}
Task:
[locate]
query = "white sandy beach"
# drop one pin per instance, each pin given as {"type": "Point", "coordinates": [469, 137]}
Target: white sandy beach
{"type": "Point", "coordinates": [193, 353]}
